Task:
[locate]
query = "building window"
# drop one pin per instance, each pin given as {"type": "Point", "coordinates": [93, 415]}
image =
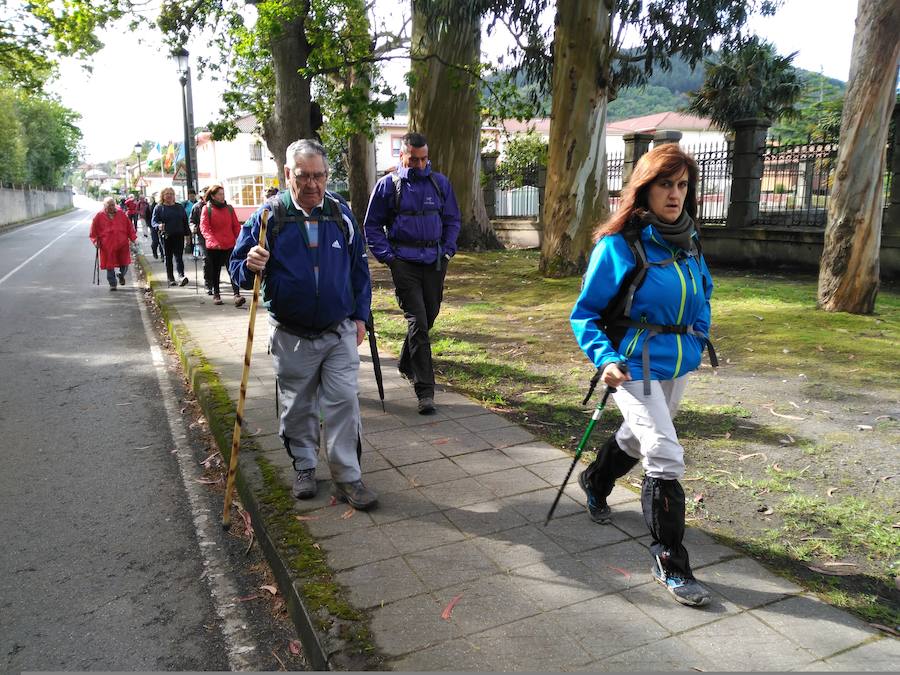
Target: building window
{"type": "Point", "coordinates": [396, 141]}
{"type": "Point", "coordinates": [256, 152]}
{"type": "Point", "coordinates": [247, 190]}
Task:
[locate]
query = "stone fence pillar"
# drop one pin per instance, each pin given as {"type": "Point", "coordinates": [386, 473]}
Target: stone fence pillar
{"type": "Point", "coordinates": [636, 146]}
{"type": "Point", "coordinates": [747, 170]}
{"type": "Point", "coordinates": [805, 177]}
{"type": "Point", "coordinates": [489, 183]}
{"type": "Point", "coordinates": [664, 136]}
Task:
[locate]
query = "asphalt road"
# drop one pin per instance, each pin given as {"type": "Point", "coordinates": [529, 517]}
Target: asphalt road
{"type": "Point", "coordinates": [100, 566]}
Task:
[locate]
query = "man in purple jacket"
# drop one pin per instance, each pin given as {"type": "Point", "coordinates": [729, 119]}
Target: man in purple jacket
{"type": "Point", "coordinates": [411, 226]}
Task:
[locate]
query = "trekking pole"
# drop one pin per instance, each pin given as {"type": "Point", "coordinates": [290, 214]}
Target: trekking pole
{"type": "Point", "coordinates": [376, 360]}
{"type": "Point", "coordinates": [239, 415]}
{"type": "Point", "coordinates": [587, 432]}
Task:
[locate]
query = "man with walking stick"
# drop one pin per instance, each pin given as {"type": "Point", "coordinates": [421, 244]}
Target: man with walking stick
{"type": "Point", "coordinates": [317, 288]}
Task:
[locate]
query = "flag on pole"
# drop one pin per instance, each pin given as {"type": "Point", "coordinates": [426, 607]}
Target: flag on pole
{"type": "Point", "coordinates": [169, 159]}
{"type": "Point", "coordinates": [154, 154]}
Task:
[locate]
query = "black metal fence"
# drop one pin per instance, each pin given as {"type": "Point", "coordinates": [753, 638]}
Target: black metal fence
{"type": "Point", "coordinates": [796, 183]}
{"type": "Point", "coordinates": [615, 169]}
{"type": "Point", "coordinates": [714, 162]}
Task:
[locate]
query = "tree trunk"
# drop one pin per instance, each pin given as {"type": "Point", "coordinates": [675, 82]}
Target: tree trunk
{"type": "Point", "coordinates": [848, 276]}
{"type": "Point", "coordinates": [360, 173]}
{"type": "Point", "coordinates": [445, 106]}
{"type": "Point", "coordinates": [577, 194]}
{"type": "Point", "coordinates": [290, 119]}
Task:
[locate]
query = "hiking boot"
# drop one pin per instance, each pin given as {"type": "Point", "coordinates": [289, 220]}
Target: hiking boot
{"type": "Point", "coordinates": [597, 507]}
{"type": "Point", "coordinates": [239, 300]}
{"type": "Point", "coordinates": [356, 494]}
{"type": "Point", "coordinates": [426, 405]}
{"type": "Point", "coordinates": [684, 590]}
{"type": "Point", "coordinates": [183, 281]}
{"type": "Point", "coordinates": [121, 278]}
{"type": "Point", "coordinates": [217, 299]}
{"type": "Point", "coordinates": [172, 282]}
{"type": "Point", "coordinates": [305, 486]}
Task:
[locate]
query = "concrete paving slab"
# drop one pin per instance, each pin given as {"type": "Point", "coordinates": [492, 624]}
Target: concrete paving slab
{"type": "Point", "coordinates": [387, 481]}
{"type": "Point", "coordinates": [402, 505]}
{"type": "Point", "coordinates": [332, 520]}
{"type": "Point", "coordinates": [456, 493]}
{"type": "Point", "coordinates": [511, 481]}
{"type": "Point", "coordinates": [439, 429]}
{"type": "Point", "coordinates": [412, 625]}
{"type": "Point", "coordinates": [485, 518]}
{"type": "Point", "coordinates": [381, 582]}
{"type": "Point", "coordinates": [659, 605]}
{"type": "Point", "coordinates": [535, 506]}
{"type": "Point", "coordinates": [747, 583]}
{"type": "Point", "coordinates": [485, 603]}
{"type": "Point", "coordinates": [881, 655]}
{"type": "Point", "coordinates": [519, 547]}
{"type": "Point", "coordinates": [623, 565]}
{"type": "Point", "coordinates": [507, 436]}
{"type": "Point", "coordinates": [454, 655]}
{"type": "Point", "coordinates": [431, 473]}
{"type": "Point", "coordinates": [485, 422]}
{"type": "Point", "coordinates": [421, 533]}
{"type": "Point", "coordinates": [606, 625]}
{"type": "Point", "coordinates": [704, 550]}
{"type": "Point", "coordinates": [815, 626]}
{"type": "Point", "coordinates": [530, 453]}
{"type": "Point", "coordinates": [412, 452]}
{"type": "Point", "coordinates": [461, 444]}
{"type": "Point", "coordinates": [373, 461]}
{"type": "Point", "coordinates": [578, 533]}
{"type": "Point", "coordinates": [451, 564]}
{"type": "Point", "coordinates": [742, 642]}
{"type": "Point", "coordinates": [484, 461]}
{"type": "Point", "coordinates": [530, 644]}
{"type": "Point", "coordinates": [358, 548]}
{"type": "Point", "coordinates": [558, 582]}
{"type": "Point", "coordinates": [668, 654]}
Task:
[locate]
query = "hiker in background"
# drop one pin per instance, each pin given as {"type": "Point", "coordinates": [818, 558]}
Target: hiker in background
{"type": "Point", "coordinates": [411, 226]}
{"type": "Point", "coordinates": [645, 326]}
{"type": "Point", "coordinates": [219, 227]}
{"type": "Point", "coordinates": [111, 230]}
{"type": "Point", "coordinates": [155, 243]}
{"type": "Point", "coordinates": [172, 221]}
{"type": "Point", "coordinates": [199, 242]}
{"type": "Point", "coordinates": [131, 210]}
{"type": "Point", "coordinates": [319, 295]}
{"type": "Point", "coordinates": [144, 215]}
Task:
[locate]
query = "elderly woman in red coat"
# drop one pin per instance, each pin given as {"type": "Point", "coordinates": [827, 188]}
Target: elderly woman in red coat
{"type": "Point", "coordinates": [220, 227]}
{"type": "Point", "coordinates": [111, 231]}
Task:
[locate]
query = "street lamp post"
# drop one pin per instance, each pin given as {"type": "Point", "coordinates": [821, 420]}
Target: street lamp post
{"type": "Point", "coordinates": [184, 76]}
{"type": "Point", "coordinates": [137, 149]}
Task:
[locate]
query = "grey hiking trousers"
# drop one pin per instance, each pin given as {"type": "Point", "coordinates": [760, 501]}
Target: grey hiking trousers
{"type": "Point", "coordinates": [319, 376]}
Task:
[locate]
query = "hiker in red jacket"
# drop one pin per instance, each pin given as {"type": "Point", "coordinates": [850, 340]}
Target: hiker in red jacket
{"type": "Point", "coordinates": [110, 233]}
{"type": "Point", "coordinates": [220, 228]}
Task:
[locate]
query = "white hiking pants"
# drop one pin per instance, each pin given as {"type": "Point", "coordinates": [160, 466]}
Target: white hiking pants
{"type": "Point", "coordinates": [647, 432]}
{"type": "Point", "coordinates": [316, 376]}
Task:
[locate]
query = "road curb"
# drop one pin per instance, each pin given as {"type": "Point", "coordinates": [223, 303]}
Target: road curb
{"type": "Point", "coordinates": [324, 635]}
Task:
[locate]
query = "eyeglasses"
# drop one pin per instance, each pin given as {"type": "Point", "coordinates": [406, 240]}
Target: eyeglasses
{"type": "Point", "coordinates": [417, 160]}
{"type": "Point", "coordinates": [315, 177]}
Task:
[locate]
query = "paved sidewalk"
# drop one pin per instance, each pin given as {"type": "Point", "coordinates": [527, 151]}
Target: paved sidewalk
{"type": "Point", "coordinates": [463, 495]}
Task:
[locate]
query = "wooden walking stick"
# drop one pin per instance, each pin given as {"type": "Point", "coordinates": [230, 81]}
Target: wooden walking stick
{"type": "Point", "coordinates": [239, 416]}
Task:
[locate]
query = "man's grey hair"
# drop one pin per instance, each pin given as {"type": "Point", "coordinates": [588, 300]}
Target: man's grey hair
{"type": "Point", "coordinates": [412, 139]}
{"type": "Point", "coordinates": [305, 147]}
{"type": "Point", "coordinates": [108, 201]}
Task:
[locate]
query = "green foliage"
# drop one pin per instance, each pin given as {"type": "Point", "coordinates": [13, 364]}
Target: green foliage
{"type": "Point", "coordinates": [33, 34]}
{"type": "Point", "coordinates": [751, 80]}
{"type": "Point", "coordinates": [522, 155]}
{"type": "Point", "coordinates": [819, 111]}
{"type": "Point", "coordinates": [646, 100]}
{"type": "Point", "coordinates": [12, 140]}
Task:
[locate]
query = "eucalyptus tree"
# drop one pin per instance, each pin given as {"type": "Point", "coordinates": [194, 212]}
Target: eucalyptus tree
{"type": "Point", "coordinates": [749, 80]}
{"type": "Point", "coordinates": [582, 65]}
{"type": "Point", "coordinates": [849, 271]}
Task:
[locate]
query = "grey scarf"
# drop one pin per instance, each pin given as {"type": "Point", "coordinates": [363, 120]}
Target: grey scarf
{"type": "Point", "coordinates": [678, 233]}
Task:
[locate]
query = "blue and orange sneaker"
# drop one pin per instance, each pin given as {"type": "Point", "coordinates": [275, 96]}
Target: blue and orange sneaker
{"type": "Point", "coordinates": [687, 591]}
{"type": "Point", "coordinates": [597, 507]}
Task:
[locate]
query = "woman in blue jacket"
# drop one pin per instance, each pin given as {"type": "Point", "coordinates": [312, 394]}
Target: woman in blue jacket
{"type": "Point", "coordinates": [642, 319]}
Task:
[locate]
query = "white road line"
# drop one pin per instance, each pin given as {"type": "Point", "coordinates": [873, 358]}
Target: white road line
{"type": "Point", "coordinates": [9, 274]}
{"type": "Point", "coordinates": [242, 650]}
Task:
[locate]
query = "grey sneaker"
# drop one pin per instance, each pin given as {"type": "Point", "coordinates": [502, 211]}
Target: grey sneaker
{"type": "Point", "coordinates": [356, 494]}
{"type": "Point", "coordinates": [686, 591]}
{"type": "Point", "coordinates": [305, 486]}
{"type": "Point", "coordinates": [426, 405]}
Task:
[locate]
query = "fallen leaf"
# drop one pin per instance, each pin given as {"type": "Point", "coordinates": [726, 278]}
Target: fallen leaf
{"type": "Point", "coordinates": [836, 563]}
{"type": "Point", "coordinates": [734, 485]}
{"type": "Point", "coordinates": [348, 513]}
{"type": "Point", "coordinates": [820, 348]}
{"type": "Point", "coordinates": [143, 447]}
{"type": "Point", "coordinates": [768, 512]}
{"type": "Point", "coordinates": [698, 498]}
{"type": "Point", "coordinates": [753, 454]}
{"type": "Point", "coordinates": [535, 391]}
{"type": "Point", "coordinates": [294, 646]}
{"type": "Point", "coordinates": [316, 546]}
{"type": "Point", "coordinates": [831, 491]}
{"type": "Point", "coordinates": [749, 349]}
{"type": "Point", "coordinates": [305, 518]}
{"type": "Point", "coordinates": [776, 467]}
{"type": "Point", "coordinates": [448, 610]}
{"type": "Point", "coordinates": [333, 501]}
{"type": "Point", "coordinates": [787, 417]}
{"type": "Point", "coordinates": [757, 316]}
{"type": "Point", "coordinates": [886, 629]}
{"type": "Point", "coordinates": [794, 404]}
{"type": "Point", "coordinates": [727, 435]}
{"type": "Point", "coordinates": [268, 587]}
{"type": "Point", "coordinates": [247, 598]}
{"type": "Point", "coordinates": [206, 481]}
{"type": "Point", "coordinates": [624, 573]}
{"type": "Point", "coordinates": [864, 427]}
{"type": "Point", "coordinates": [441, 441]}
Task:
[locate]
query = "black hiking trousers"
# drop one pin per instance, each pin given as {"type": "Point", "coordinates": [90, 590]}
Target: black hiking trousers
{"type": "Point", "coordinates": [419, 289]}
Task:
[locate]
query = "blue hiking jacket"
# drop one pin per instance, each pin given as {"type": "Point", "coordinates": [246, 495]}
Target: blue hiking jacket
{"type": "Point", "coordinates": [436, 218]}
{"type": "Point", "coordinates": [677, 293]}
{"type": "Point", "coordinates": [290, 290]}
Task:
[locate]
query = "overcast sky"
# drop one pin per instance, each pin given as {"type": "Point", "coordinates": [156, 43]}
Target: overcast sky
{"type": "Point", "coordinates": [133, 92]}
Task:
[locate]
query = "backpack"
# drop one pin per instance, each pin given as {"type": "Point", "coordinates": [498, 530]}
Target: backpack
{"type": "Point", "coordinates": [333, 202]}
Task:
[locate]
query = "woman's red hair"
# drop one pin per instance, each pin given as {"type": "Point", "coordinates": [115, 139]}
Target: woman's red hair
{"type": "Point", "coordinates": [661, 161]}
